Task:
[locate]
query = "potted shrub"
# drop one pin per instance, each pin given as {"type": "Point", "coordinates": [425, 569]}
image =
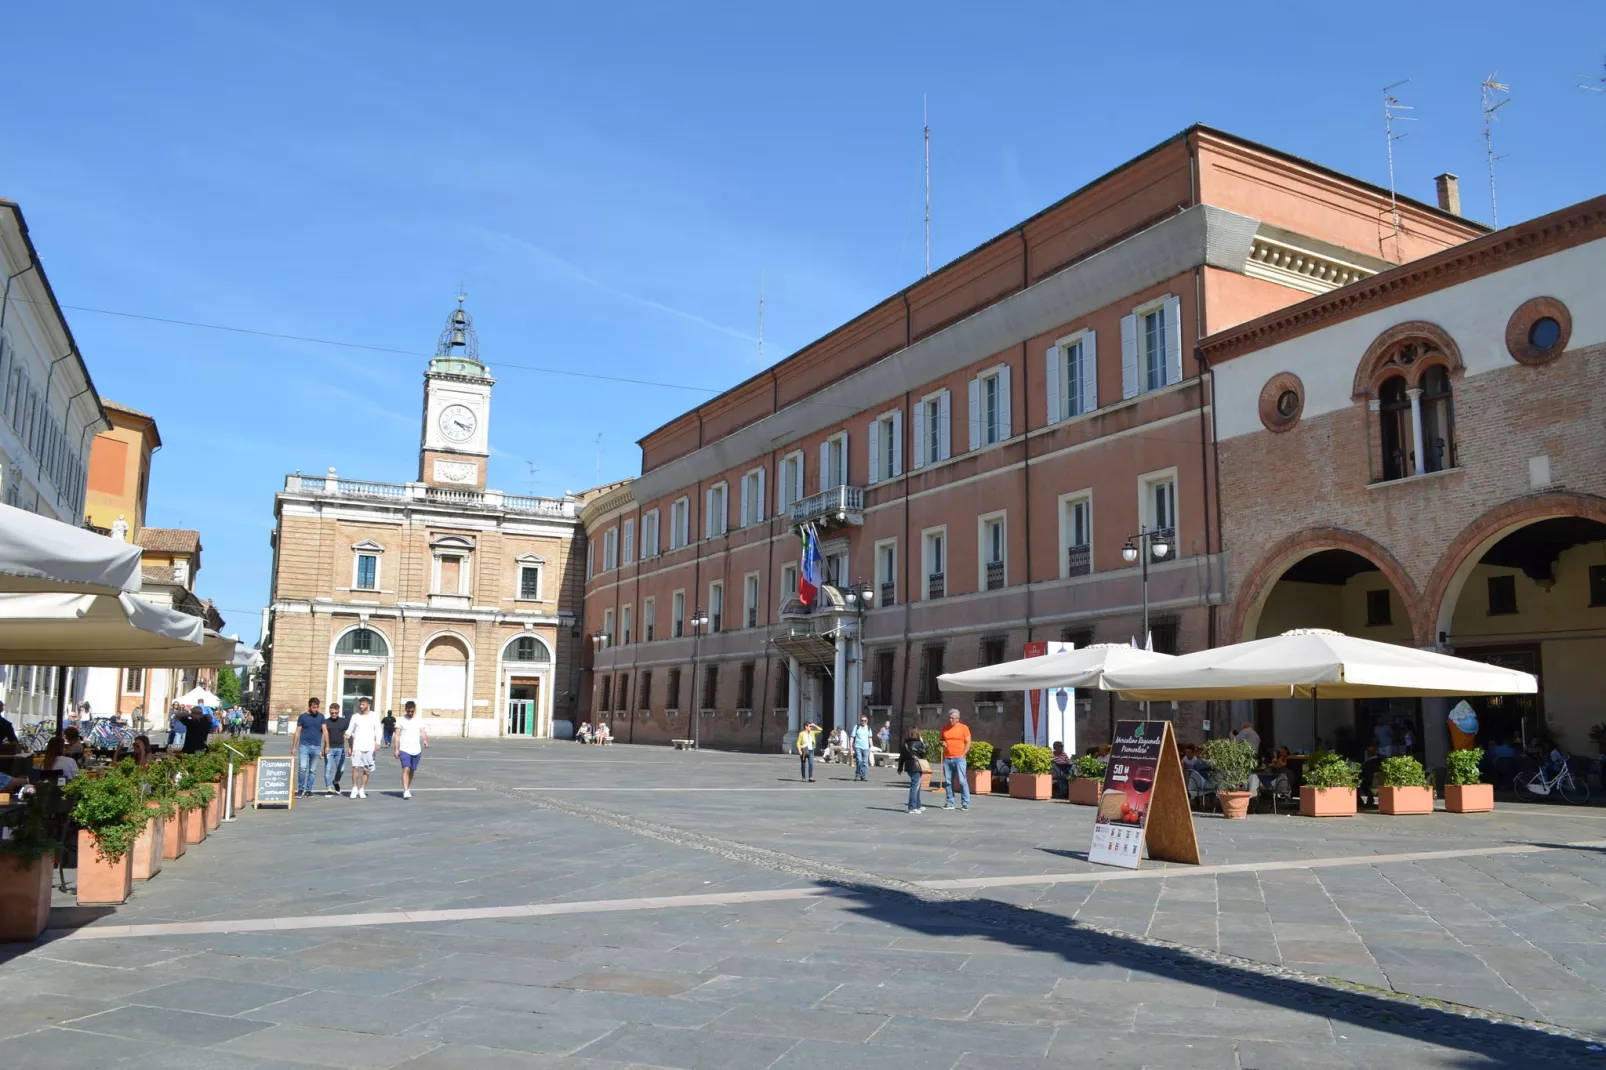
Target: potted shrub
{"type": "Point", "coordinates": [1329, 788]}
{"type": "Point", "coordinates": [212, 769]}
{"type": "Point", "coordinates": [1466, 793]}
{"type": "Point", "coordinates": [979, 768]}
{"type": "Point", "coordinates": [110, 814]}
{"type": "Point", "coordinates": [1030, 772]}
{"type": "Point", "coordinates": [252, 749]}
{"type": "Point", "coordinates": [1404, 787]}
{"type": "Point", "coordinates": [1087, 780]}
{"type": "Point", "coordinates": [27, 858]}
{"type": "Point", "coordinates": [192, 798]}
{"type": "Point", "coordinates": [933, 740]}
{"type": "Point", "coordinates": [1231, 762]}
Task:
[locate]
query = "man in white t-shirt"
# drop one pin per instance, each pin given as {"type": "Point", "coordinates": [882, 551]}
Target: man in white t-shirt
{"type": "Point", "coordinates": [362, 739]}
{"type": "Point", "coordinates": [411, 739]}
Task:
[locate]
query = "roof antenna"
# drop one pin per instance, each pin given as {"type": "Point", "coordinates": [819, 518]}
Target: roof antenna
{"type": "Point", "coordinates": [1391, 106]}
{"type": "Point", "coordinates": [925, 123]}
{"type": "Point", "coordinates": [1491, 104]}
{"type": "Point", "coordinates": [761, 320]}
{"type": "Point", "coordinates": [1598, 79]}
{"type": "Point", "coordinates": [599, 456]}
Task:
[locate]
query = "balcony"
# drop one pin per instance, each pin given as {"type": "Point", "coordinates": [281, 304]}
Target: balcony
{"type": "Point", "coordinates": [889, 594]}
{"type": "Point", "coordinates": [333, 486]}
{"type": "Point", "coordinates": [937, 585]}
{"type": "Point", "coordinates": [1078, 561]}
{"type": "Point", "coordinates": [995, 575]}
{"type": "Point", "coordinates": [837, 507]}
{"type": "Point", "coordinates": [752, 617]}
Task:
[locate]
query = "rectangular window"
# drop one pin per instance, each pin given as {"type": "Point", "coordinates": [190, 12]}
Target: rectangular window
{"type": "Point", "coordinates": [605, 700]}
{"type": "Point", "coordinates": [591, 559]}
{"type": "Point", "coordinates": [788, 582]}
{"type": "Point", "coordinates": [783, 685]}
{"type": "Point", "coordinates": [716, 521]}
{"type": "Point", "coordinates": [791, 480]}
{"type": "Point", "coordinates": [367, 572]}
{"type": "Point", "coordinates": [716, 605]}
{"type": "Point", "coordinates": [1597, 585]}
{"type": "Point", "coordinates": [885, 440]}
{"type": "Point", "coordinates": [672, 695]}
{"type": "Point", "coordinates": [644, 692]}
{"type": "Point", "coordinates": [530, 582]}
{"type": "Point", "coordinates": [710, 687]}
{"type": "Point", "coordinates": [930, 669]}
{"type": "Point", "coordinates": [991, 652]}
{"type": "Point", "coordinates": [610, 549]}
{"type": "Point", "coordinates": [989, 407]}
{"type": "Point", "coordinates": [607, 628]}
{"type": "Point", "coordinates": [992, 553]}
{"type": "Point", "coordinates": [1076, 534]}
{"type": "Point", "coordinates": [753, 497]}
{"type": "Point", "coordinates": [834, 461]}
{"type": "Point", "coordinates": [451, 581]}
{"type": "Point", "coordinates": [889, 444]}
{"type": "Point", "coordinates": [1158, 512]}
{"type": "Point", "coordinates": [990, 425]}
{"type": "Point", "coordinates": [677, 614]}
{"type": "Point", "coordinates": [886, 571]}
{"type": "Point", "coordinates": [1378, 609]}
{"type": "Point", "coordinates": [1077, 638]}
{"type": "Point", "coordinates": [649, 534]}
{"type": "Point", "coordinates": [931, 429]}
{"type": "Point", "coordinates": [627, 618]}
{"type": "Point", "coordinates": [624, 694]}
{"type": "Point", "coordinates": [1154, 349]}
{"type": "Point", "coordinates": [744, 687]}
{"type": "Point", "coordinates": [629, 527]}
{"type": "Point", "coordinates": [883, 678]}
{"type": "Point", "coordinates": [679, 523]}
{"type": "Point", "coordinates": [837, 574]}
{"type": "Point", "coordinates": [133, 681]}
{"type": "Point", "coordinates": [649, 619]}
{"type": "Point", "coordinates": [750, 600]}
{"type": "Point", "coordinates": [1502, 595]}
{"type": "Point", "coordinates": [935, 545]}
{"type": "Point", "coordinates": [1165, 631]}
{"type": "Point", "coordinates": [1072, 377]}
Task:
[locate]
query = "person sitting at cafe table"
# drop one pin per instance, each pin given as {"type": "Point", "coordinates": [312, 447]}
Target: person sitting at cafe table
{"type": "Point", "coordinates": [142, 750]}
{"type": "Point", "coordinates": [1061, 785]}
{"type": "Point", "coordinates": [75, 744]}
{"type": "Point", "coordinates": [55, 757]}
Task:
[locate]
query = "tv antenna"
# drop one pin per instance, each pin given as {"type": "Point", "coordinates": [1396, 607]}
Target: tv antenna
{"type": "Point", "coordinates": [1493, 101]}
{"type": "Point", "coordinates": [1599, 81]}
{"type": "Point", "coordinates": [599, 456]}
{"type": "Point", "coordinates": [1391, 109]}
{"type": "Point", "coordinates": [529, 480]}
{"type": "Point", "coordinates": [925, 123]}
{"type": "Point", "coordinates": [761, 320]}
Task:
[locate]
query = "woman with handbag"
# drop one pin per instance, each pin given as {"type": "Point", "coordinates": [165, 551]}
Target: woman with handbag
{"type": "Point", "coordinates": [912, 760]}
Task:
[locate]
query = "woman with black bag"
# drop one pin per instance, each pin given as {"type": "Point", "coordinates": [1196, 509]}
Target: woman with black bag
{"type": "Point", "coordinates": [912, 760]}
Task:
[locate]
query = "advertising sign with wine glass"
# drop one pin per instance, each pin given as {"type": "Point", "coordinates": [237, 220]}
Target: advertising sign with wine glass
{"type": "Point", "coordinates": [1144, 802]}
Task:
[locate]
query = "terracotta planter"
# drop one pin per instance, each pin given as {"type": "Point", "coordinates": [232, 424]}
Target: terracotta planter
{"type": "Point", "coordinates": [1234, 804]}
{"type": "Point", "coordinates": [250, 795]}
{"type": "Point", "coordinates": [173, 837]}
{"type": "Point", "coordinates": [147, 853]}
{"type": "Point", "coordinates": [981, 781]}
{"type": "Point", "coordinates": [239, 788]}
{"type": "Point", "coordinates": [1468, 798]}
{"type": "Point", "coordinates": [194, 826]}
{"type": "Point", "coordinates": [24, 897]}
{"type": "Point", "coordinates": [1327, 802]}
{"type": "Point", "coordinates": [1030, 785]}
{"type": "Point", "coordinates": [925, 782]}
{"type": "Point", "coordinates": [102, 883]}
{"type": "Point", "coordinates": [214, 809]}
{"type": "Point", "coordinates": [1085, 791]}
{"type": "Point", "coordinates": [1405, 800]}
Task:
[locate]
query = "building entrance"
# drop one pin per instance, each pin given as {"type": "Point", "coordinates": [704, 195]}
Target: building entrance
{"type": "Point", "coordinates": [356, 685]}
{"type": "Point", "coordinates": [521, 705]}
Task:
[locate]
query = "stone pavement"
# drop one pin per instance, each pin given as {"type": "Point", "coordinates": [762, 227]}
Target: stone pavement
{"type": "Point", "coordinates": [552, 905]}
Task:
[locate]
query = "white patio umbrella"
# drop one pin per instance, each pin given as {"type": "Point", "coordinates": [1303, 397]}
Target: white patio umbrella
{"type": "Point", "coordinates": [199, 696]}
{"type": "Point", "coordinates": [40, 554]}
{"type": "Point", "coordinates": [1072, 668]}
{"type": "Point", "coordinates": [119, 631]}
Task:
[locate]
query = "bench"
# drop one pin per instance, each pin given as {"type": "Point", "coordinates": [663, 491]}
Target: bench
{"type": "Point", "coordinates": [879, 758]}
{"type": "Point", "coordinates": [684, 744]}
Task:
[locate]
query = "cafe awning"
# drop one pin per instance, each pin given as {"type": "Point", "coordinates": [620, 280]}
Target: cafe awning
{"type": "Point", "coordinates": [1071, 668]}
{"type": "Point", "coordinates": [117, 631]}
{"type": "Point", "coordinates": [39, 554]}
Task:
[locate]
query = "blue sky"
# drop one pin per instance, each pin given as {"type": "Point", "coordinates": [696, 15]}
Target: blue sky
{"type": "Point", "coordinates": [611, 181]}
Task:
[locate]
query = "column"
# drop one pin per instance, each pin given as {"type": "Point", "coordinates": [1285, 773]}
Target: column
{"type": "Point", "coordinates": [1419, 448]}
{"type": "Point", "coordinates": [839, 677]}
{"type": "Point", "coordinates": [1435, 731]}
{"type": "Point", "coordinates": [794, 704]}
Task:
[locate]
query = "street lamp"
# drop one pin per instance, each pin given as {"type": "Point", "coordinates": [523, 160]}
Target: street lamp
{"type": "Point", "coordinates": [861, 597]}
{"type": "Point", "coordinates": [1159, 541]}
{"type": "Point", "coordinates": [699, 621]}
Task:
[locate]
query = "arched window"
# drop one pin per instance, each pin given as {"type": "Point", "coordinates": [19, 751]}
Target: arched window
{"type": "Point", "coordinates": [1394, 415]}
{"type": "Point", "coordinates": [1438, 420]}
{"type": "Point", "coordinates": [364, 643]}
{"type": "Point", "coordinates": [527, 648]}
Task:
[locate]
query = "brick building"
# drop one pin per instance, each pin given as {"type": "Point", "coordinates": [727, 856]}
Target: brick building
{"type": "Point", "coordinates": [975, 452]}
{"type": "Point", "coordinates": [1419, 458]}
{"type": "Point", "coordinates": [439, 590]}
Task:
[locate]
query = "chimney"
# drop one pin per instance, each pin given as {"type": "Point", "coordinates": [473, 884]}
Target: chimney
{"type": "Point", "coordinates": [1449, 188]}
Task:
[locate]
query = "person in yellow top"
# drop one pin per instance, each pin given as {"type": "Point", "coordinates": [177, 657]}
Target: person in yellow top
{"type": "Point", "coordinates": [805, 750]}
{"type": "Point", "coordinates": [955, 746]}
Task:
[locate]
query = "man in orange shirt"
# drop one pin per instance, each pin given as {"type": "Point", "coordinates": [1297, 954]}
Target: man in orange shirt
{"type": "Point", "coordinates": [955, 746]}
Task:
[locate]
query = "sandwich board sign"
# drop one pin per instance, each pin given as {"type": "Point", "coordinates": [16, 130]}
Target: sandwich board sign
{"type": "Point", "coordinates": [1144, 801]}
{"type": "Point", "coordinates": [276, 782]}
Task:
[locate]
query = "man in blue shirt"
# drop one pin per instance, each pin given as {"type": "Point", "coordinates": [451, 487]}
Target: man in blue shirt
{"type": "Point", "coordinates": [312, 737]}
{"type": "Point", "coordinates": [862, 737]}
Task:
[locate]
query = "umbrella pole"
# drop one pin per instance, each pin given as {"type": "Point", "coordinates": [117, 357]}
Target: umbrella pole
{"type": "Point", "coordinates": [1111, 695]}
{"type": "Point", "coordinates": [1315, 720]}
{"type": "Point", "coordinates": [61, 697]}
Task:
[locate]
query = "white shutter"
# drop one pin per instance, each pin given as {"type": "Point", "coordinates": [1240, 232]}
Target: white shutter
{"type": "Point", "coordinates": [1173, 340]}
{"type": "Point", "coordinates": [1087, 371]}
{"type": "Point", "coordinates": [825, 465]}
{"type": "Point", "coordinates": [797, 487]}
{"type": "Point", "coordinates": [845, 468]}
{"type": "Point", "coordinates": [975, 414]}
{"type": "Point", "coordinates": [1051, 390]}
{"type": "Point", "coordinates": [945, 425]}
{"type": "Point", "coordinates": [875, 452]}
{"type": "Point", "coordinates": [920, 435]}
{"type": "Point", "coordinates": [897, 442]}
{"type": "Point", "coordinates": [1005, 431]}
{"type": "Point", "coordinates": [708, 513]}
{"type": "Point", "coordinates": [746, 502]}
{"type": "Point", "coordinates": [758, 506]}
{"type": "Point", "coordinates": [1129, 356]}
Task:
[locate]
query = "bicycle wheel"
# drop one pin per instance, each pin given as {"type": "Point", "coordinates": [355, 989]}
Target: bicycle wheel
{"type": "Point", "coordinates": [1522, 785]}
{"type": "Point", "coordinates": [1573, 789]}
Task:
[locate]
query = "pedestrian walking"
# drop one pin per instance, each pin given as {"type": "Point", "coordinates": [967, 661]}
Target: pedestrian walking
{"type": "Point", "coordinates": [912, 760]}
{"type": "Point", "coordinates": [955, 746]}
{"type": "Point", "coordinates": [805, 750]}
{"type": "Point", "coordinates": [196, 727]}
{"type": "Point", "coordinates": [388, 722]}
{"type": "Point", "coordinates": [862, 738]}
{"type": "Point", "coordinates": [310, 741]}
{"type": "Point", "coordinates": [411, 739]}
{"type": "Point", "coordinates": [362, 739]}
{"type": "Point", "coordinates": [334, 751]}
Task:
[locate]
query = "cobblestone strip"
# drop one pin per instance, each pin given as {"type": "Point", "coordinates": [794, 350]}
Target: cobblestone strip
{"type": "Point", "coordinates": [1437, 1021]}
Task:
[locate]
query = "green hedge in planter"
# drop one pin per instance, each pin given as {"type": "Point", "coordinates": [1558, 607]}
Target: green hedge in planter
{"type": "Point", "coordinates": [933, 741]}
{"type": "Point", "coordinates": [980, 756]}
{"type": "Point", "coordinates": [1329, 770]}
{"type": "Point", "coordinates": [1031, 760]}
{"type": "Point", "coordinates": [1402, 771]}
{"type": "Point", "coordinates": [111, 808]}
{"type": "Point", "coordinates": [1231, 763]}
{"type": "Point", "coordinates": [30, 838]}
{"type": "Point", "coordinates": [1464, 765]}
{"type": "Point", "coordinates": [1087, 767]}
{"type": "Point", "coordinates": [156, 783]}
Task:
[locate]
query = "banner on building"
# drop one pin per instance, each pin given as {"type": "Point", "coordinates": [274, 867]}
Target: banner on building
{"type": "Point", "coordinates": [1144, 801]}
{"type": "Point", "coordinates": [1050, 714]}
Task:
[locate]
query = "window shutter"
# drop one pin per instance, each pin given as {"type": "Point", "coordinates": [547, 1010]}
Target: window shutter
{"type": "Point", "coordinates": [920, 435]}
{"type": "Point", "coordinates": [747, 503]}
{"type": "Point", "coordinates": [825, 465]}
{"type": "Point", "coordinates": [1005, 431]}
{"type": "Point", "coordinates": [1129, 356]}
{"type": "Point", "coordinates": [897, 443]}
{"type": "Point", "coordinates": [758, 506]}
{"type": "Point", "coordinates": [875, 452]}
{"type": "Point", "coordinates": [708, 513]}
{"type": "Point", "coordinates": [797, 489]}
{"type": "Point", "coordinates": [1173, 340]}
{"type": "Point", "coordinates": [845, 468]}
{"type": "Point", "coordinates": [1051, 390]}
{"type": "Point", "coordinates": [975, 414]}
{"type": "Point", "coordinates": [1087, 370]}
{"type": "Point", "coordinates": [945, 425]}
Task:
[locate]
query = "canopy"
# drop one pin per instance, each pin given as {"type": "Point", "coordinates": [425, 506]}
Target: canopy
{"type": "Point", "coordinates": [1310, 661]}
{"type": "Point", "coordinates": [247, 657]}
{"type": "Point", "coordinates": [40, 554]}
{"type": "Point", "coordinates": [199, 696]}
{"type": "Point", "coordinates": [1072, 668]}
{"type": "Point", "coordinates": [118, 631]}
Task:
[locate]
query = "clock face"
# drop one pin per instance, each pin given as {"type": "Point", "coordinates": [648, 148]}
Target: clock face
{"type": "Point", "coordinates": [457, 422]}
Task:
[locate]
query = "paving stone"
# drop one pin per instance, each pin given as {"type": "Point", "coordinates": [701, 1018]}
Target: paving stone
{"type": "Point", "coordinates": [24, 1011]}
{"type": "Point", "coordinates": [56, 1046]}
{"type": "Point", "coordinates": [692, 1049]}
{"type": "Point", "coordinates": [517, 1030]}
{"type": "Point", "coordinates": [799, 1024]}
{"type": "Point", "coordinates": [386, 1015]}
{"type": "Point", "coordinates": [313, 1046]}
{"type": "Point", "coordinates": [177, 1027]}
{"type": "Point", "coordinates": [816, 1054]}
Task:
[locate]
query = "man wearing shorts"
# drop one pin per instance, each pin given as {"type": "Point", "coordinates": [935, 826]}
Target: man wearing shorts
{"type": "Point", "coordinates": [411, 739]}
{"type": "Point", "coordinates": [362, 739]}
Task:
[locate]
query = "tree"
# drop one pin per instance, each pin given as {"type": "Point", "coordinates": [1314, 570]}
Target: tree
{"type": "Point", "coordinates": [228, 687]}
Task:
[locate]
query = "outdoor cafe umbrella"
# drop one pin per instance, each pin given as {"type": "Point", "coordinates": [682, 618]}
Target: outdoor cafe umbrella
{"type": "Point", "coordinates": [39, 554]}
{"type": "Point", "coordinates": [199, 696]}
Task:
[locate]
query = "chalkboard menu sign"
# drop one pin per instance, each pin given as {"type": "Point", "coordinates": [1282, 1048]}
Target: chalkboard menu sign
{"type": "Point", "coordinates": [276, 782]}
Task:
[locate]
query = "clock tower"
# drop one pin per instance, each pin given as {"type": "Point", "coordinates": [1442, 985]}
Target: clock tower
{"type": "Point", "coordinates": [457, 409]}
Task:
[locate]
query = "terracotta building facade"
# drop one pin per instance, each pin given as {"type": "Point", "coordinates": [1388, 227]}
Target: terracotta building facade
{"type": "Point", "coordinates": [975, 453]}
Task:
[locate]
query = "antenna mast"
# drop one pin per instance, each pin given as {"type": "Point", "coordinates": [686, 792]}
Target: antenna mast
{"type": "Point", "coordinates": [1392, 105]}
{"type": "Point", "coordinates": [1598, 79]}
{"type": "Point", "coordinates": [761, 320]}
{"type": "Point", "coordinates": [599, 456]}
{"type": "Point", "coordinates": [925, 123]}
{"type": "Point", "coordinates": [1492, 104]}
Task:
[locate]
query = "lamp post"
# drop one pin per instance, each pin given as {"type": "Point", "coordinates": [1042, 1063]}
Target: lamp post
{"type": "Point", "coordinates": [860, 596]}
{"type": "Point", "coordinates": [599, 641]}
{"type": "Point", "coordinates": [1158, 540]}
{"type": "Point", "coordinates": [699, 620]}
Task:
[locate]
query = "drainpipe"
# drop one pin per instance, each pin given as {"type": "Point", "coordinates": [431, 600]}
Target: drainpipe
{"type": "Point", "coordinates": [1026, 480]}
{"type": "Point", "coordinates": [5, 298]}
{"type": "Point", "coordinates": [908, 553]}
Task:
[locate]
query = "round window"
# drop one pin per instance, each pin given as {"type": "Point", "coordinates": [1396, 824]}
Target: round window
{"type": "Point", "coordinates": [1544, 333]}
{"type": "Point", "coordinates": [1288, 404]}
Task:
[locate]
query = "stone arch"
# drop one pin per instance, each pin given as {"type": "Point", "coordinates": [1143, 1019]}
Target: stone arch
{"type": "Point", "coordinates": [1258, 583]}
{"type": "Point", "coordinates": [1467, 549]}
{"type": "Point", "coordinates": [1374, 363]}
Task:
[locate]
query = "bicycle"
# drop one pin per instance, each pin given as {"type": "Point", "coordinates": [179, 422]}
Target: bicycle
{"type": "Point", "coordinates": [1569, 788]}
